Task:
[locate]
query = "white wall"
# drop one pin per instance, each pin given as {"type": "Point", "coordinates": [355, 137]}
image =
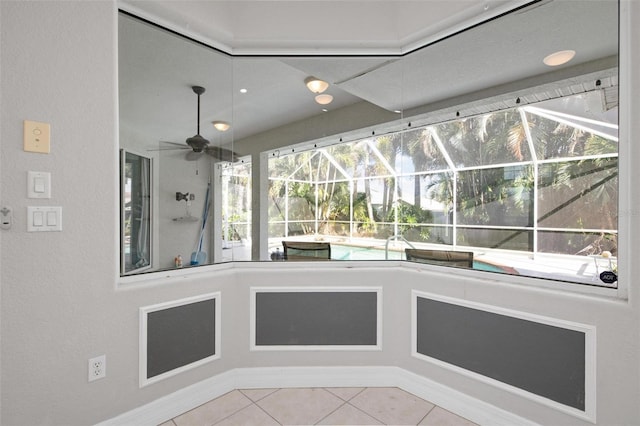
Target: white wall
{"type": "Point", "coordinates": [60, 304]}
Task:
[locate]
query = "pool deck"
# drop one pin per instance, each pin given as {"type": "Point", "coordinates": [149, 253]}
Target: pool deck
{"type": "Point", "coordinates": [576, 269]}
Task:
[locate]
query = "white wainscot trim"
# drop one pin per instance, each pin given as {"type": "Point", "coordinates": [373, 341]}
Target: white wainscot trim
{"type": "Point", "coordinates": [589, 414]}
{"type": "Point", "coordinates": [172, 405]}
{"type": "Point", "coordinates": [142, 340]}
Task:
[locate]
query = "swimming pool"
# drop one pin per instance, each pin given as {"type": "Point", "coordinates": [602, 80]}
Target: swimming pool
{"type": "Point", "coordinates": [347, 252]}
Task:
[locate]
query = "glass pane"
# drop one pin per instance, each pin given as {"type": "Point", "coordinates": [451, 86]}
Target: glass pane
{"type": "Point", "coordinates": [426, 198]}
{"type": "Point", "coordinates": [276, 230]}
{"type": "Point", "coordinates": [579, 194]}
{"type": "Point", "coordinates": [348, 157]}
{"type": "Point", "coordinates": [236, 203]}
{"type": "Point", "coordinates": [334, 203]}
{"type": "Point", "coordinates": [572, 127]}
{"type": "Point", "coordinates": [136, 209]}
{"type": "Point", "coordinates": [420, 153]}
{"type": "Point", "coordinates": [498, 197]}
{"type": "Point", "coordinates": [428, 234]}
{"type": "Point", "coordinates": [335, 228]}
{"type": "Point", "coordinates": [506, 239]}
{"type": "Point", "coordinates": [489, 139]}
{"type": "Point", "coordinates": [582, 243]}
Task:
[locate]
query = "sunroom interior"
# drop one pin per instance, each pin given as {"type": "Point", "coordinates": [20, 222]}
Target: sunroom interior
{"type": "Point", "coordinates": [469, 103]}
{"type": "Point", "coordinates": [512, 159]}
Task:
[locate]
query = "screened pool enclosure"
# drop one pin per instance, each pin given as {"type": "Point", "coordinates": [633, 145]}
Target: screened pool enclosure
{"type": "Point", "coordinates": [533, 189]}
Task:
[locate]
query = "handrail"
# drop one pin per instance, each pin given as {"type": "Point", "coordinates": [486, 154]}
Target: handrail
{"type": "Point", "coordinates": [394, 237]}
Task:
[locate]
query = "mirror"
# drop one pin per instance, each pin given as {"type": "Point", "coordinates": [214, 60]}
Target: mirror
{"type": "Point", "coordinates": [386, 111]}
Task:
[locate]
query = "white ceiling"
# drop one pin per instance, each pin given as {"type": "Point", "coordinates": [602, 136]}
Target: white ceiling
{"type": "Point", "coordinates": [317, 26]}
{"type": "Point", "coordinates": [157, 68]}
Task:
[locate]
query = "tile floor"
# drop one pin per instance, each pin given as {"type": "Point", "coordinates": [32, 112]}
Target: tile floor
{"type": "Point", "coordinates": [318, 406]}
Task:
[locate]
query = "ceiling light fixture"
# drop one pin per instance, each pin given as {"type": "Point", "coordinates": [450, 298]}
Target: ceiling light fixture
{"type": "Point", "coordinates": [243, 90]}
{"type": "Point", "coordinates": [324, 99]}
{"type": "Point", "coordinates": [221, 126]}
{"type": "Point", "coordinates": [316, 85]}
{"type": "Point", "coordinates": [559, 58]}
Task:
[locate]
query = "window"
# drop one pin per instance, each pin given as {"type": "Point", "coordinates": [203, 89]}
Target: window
{"type": "Point", "coordinates": [531, 190]}
{"type": "Point", "coordinates": [135, 207]}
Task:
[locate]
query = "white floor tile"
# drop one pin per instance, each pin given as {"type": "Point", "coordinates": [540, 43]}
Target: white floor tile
{"type": "Point", "coordinates": [392, 406]}
{"type": "Point", "coordinates": [345, 393]}
{"type": "Point", "coordinates": [300, 406]}
{"type": "Point", "coordinates": [257, 394]}
{"type": "Point", "coordinates": [214, 411]}
{"type": "Point", "coordinates": [349, 415]}
{"type": "Point", "coordinates": [441, 417]}
{"type": "Point", "coordinates": [250, 416]}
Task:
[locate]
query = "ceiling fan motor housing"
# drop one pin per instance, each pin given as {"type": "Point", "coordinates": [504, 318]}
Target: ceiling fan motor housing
{"type": "Point", "coordinates": [197, 143]}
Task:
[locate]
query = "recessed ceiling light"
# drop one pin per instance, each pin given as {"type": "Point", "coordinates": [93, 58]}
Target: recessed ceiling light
{"type": "Point", "coordinates": [324, 110]}
{"type": "Point", "coordinates": [243, 90]}
{"type": "Point", "coordinates": [559, 58]}
{"type": "Point", "coordinates": [398, 111]}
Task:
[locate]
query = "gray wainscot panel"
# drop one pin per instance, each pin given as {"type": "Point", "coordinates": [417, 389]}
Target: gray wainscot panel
{"type": "Point", "coordinates": [545, 360]}
{"type": "Point", "coordinates": [323, 318]}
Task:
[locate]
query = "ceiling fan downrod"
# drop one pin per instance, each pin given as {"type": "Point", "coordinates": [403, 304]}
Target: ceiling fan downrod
{"type": "Point", "coordinates": [198, 90]}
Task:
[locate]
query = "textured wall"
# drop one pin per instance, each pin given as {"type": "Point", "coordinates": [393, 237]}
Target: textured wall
{"type": "Point", "coordinates": [60, 304]}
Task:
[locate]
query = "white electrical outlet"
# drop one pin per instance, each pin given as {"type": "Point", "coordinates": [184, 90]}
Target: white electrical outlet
{"type": "Point", "coordinates": [97, 368]}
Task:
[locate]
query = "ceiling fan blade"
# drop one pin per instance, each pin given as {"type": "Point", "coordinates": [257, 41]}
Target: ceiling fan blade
{"type": "Point", "coordinates": [174, 146]}
{"type": "Point", "coordinates": [222, 154]}
{"type": "Point", "coordinates": [181, 145]}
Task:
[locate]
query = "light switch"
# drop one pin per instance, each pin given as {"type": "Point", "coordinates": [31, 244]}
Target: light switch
{"type": "Point", "coordinates": [37, 137]}
{"type": "Point", "coordinates": [37, 218]}
{"type": "Point", "coordinates": [38, 185]}
{"type": "Point", "coordinates": [43, 219]}
{"type": "Point", "coordinates": [52, 218]}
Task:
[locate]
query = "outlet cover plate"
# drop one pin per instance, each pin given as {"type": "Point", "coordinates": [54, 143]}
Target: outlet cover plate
{"type": "Point", "coordinates": [97, 368]}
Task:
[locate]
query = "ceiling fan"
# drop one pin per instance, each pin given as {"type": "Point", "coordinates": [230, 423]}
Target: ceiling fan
{"type": "Point", "coordinates": [198, 144]}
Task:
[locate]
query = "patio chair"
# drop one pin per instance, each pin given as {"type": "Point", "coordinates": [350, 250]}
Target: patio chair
{"type": "Point", "coordinates": [462, 259]}
{"type": "Point", "coordinates": [306, 250]}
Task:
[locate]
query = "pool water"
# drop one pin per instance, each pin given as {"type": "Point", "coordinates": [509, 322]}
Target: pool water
{"type": "Point", "coordinates": [344, 252]}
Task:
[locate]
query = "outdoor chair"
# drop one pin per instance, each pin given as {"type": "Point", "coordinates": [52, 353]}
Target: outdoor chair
{"type": "Point", "coordinates": [306, 250]}
{"type": "Point", "coordinates": [462, 259]}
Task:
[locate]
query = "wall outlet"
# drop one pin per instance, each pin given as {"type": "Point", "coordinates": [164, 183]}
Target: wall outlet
{"type": "Point", "coordinates": [97, 367]}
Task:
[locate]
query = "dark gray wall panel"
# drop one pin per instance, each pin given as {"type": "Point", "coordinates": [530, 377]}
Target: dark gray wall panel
{"type": "Point", "coordinates": [180, 335]}
{"type": "Point", "coordinates": [546, 360]}
{"type": "Point", "coordinates": [316, 318]}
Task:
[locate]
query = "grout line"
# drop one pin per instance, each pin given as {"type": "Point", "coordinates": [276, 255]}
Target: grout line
{"type": "Point", "coordinates": [428, 412]}
{"type": "Point", "coordinates": [265, 411]}
{"type": "Point", "coordinates": [238, 410]}
{"type": "Point", "coordinates": [337, 408]}
{"type": "Point", "coordinates": [365, 412]}
{"type": "Point", "coordinates": [273, 390]}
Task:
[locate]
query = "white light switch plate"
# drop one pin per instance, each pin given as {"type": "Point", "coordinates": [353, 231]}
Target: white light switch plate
{"type": "Point", "coordinates": [44, 219]}
{"type": "Point", "coordinates": [38, 185]}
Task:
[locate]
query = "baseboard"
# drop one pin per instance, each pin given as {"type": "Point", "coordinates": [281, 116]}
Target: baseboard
{"type": "Point", "coordinates": [172, 405]}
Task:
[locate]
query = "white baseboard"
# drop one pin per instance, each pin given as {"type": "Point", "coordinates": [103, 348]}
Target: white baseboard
{"type": "Point", "coordinates": [172, 405]}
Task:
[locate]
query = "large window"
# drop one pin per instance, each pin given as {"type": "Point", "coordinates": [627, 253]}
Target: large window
{"type": "Point", "coordinates": [531, 190]}
{"type": "Point", "coordinates": [135, 207]}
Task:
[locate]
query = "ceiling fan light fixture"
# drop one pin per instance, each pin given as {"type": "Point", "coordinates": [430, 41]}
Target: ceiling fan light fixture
{"type": "Point", "coordinates": [221, 126]}
{"type": "Point", "coordinates": [316, 85]}
{"type": "Point", "coordinates": [324, 99]}
{"type": "Point", "coordinates": [559, 58]}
